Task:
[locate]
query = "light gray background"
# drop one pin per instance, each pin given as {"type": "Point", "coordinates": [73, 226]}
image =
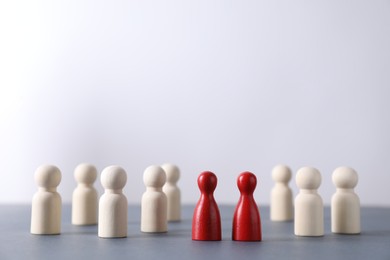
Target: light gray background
{"type": "Point", "coordinates": [223, 85]}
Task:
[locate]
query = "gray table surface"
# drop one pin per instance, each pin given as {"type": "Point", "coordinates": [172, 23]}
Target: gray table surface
{"type": "Point", "coordinates": [279, 242]}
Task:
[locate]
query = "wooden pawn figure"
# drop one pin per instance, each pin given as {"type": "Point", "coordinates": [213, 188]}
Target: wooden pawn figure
{"type": "Point", "coordinates": [46, 203]}
{"type": "Point", "coordinates": [309, 209]}
{"type": "Point", "coordinates": [85, 196]}
{"type": "Point", "coordinates": [206, 221]}
{"type": "Point", "coordinates": [154, 201]}
{"type": "Point", "coordinates": [172, 191]}
{"type": "Point", "coordinates": [281, 195]}
{"type": "Point", "coordinates": [112, 221]}
{"type": "Point", "coordinates": [246, 220]}
{"type": "Point", "coordinates": [345, 208]}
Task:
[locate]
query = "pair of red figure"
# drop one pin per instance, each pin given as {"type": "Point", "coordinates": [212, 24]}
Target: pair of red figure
{"type": "Point", "coordinates": [206, 222]}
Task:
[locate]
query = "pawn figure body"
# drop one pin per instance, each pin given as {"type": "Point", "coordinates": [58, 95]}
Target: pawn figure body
{"type": "Point", "coordinates": [85, 197]}
{"type": "Point", "coordinates": [345, 208]}
{"type": "Point", "coordinates": [46, 203]}
{"type": "Point", "coordinates": [309, 209]}
{"type": "Point", "coordinates": [281, 195]}
{"type": "Point", "coordinates": [154, 201]}
{"type": "Point", "coordinates": [206, 221]}
{"type": "Point", "coordinates": [246, 220]}
{"type": "Point", "coordinates": [172, 191]}
{"type": "Point", "coordinates": [113, 204]}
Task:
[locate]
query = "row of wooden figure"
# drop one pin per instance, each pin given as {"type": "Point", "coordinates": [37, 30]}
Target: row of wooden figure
{"type": "Point", "coordinates": [308, 213]}
{"type": "Point", "coordinates": [161, 202]}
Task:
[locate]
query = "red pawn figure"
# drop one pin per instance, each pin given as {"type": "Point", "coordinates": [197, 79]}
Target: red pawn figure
{"type": "Point", "coordinates": [246, 220]}
{"type": "Point", "coordinates": [206, 222]}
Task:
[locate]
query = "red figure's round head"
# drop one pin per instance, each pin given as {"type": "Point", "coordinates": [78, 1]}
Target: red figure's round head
{"type": "Point", "coordinates": [247, 182]}
{"type": "Point", "coordinates": [207, 182]}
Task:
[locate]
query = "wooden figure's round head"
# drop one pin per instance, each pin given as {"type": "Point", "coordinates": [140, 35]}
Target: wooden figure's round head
{"type": "Point", "coordinates": [47, 176]}
{"type": "Point", "coordinates": [246, 182]}
{"type": "Point", "coordinates": [172, 172]}
{"type": "Point", "coordinates": [113, 178]}
{"type": "Point", "coordinates": [207, 182]}
{"type": "Point", "coordinates": [308, 178]}
{"type": "Point", "coordinates": [85, 173]}
{"type": "Point", "coordinates": [281, 173]}
{"type": "Point", "coordinates": [154, 176]}
{"type": "Point", "coordinates": [345, 178]}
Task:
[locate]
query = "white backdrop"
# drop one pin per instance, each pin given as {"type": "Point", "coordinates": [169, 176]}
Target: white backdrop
{"type": "Point", "coordinates": [222, 85]}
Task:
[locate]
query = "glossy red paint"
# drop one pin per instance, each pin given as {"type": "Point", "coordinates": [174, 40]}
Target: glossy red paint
{"type": "Point", "coordinates": [246, 220]}
{"type": "Point", "coordinates": [206, 221]}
